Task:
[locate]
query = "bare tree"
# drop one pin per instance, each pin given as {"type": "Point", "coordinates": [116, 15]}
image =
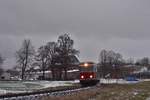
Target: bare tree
{"type": "Point", "coordinates": [44, 56]}
{"type": "Point", "coordinates": [103, 62]}
{"type": "Point", "coordinates": [110, 57]}
{"type": "Point", "coordinates": [117, 59]}
{"type": "Point", "coordinates": [52, 55]}
{"type": "Point", "coordinates": [1, 62]}
{"type": "Point", "coordinates": [145, 61]}
{"type": "Point", "coordinates": [41, 59]}
{"type": "Point", "coordinates": [24, 56]}
{"type": "Point", "coordinates": [109, 61]}
{"type": "Point", "coordinates": [130, 61]}
{"type": "Point", "coordinates": [103, 57]}
{"type": "Point", "coordinates": [65, 50]}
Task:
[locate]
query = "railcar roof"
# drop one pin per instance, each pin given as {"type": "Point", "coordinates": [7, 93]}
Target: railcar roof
{"type": "Point", "coordinates": [89, 62]}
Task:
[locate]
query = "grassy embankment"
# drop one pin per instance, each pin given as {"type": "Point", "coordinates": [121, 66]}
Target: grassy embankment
{"type": "Point", "coordinates": [139, 91]}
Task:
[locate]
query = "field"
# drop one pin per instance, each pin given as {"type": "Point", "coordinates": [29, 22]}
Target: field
{"type": "Point", "coordinates": [137, 91]}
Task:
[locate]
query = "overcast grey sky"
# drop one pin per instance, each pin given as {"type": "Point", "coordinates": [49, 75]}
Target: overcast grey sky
{"type": "Point", "coordinates": [120, 25]}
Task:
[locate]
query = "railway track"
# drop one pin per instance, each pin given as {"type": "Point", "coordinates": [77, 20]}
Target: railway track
{"type": "Point", "coordinates": [37, 95]}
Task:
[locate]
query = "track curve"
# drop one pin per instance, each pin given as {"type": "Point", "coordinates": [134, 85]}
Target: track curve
{"type": "Point", "coordinates": [36, 95]}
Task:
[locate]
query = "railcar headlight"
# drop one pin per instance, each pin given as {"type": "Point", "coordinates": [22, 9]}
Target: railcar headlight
{"type": "Point", "coordinates": [82, 76]}
{"type": "Point", "coordinates": [86, 64]}
{"type": "Point", "coordinates": [91, 76]}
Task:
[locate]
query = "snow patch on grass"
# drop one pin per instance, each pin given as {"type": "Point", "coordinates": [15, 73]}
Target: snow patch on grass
{"type": "Point", "coordinates": [116, 81]}
{"type": "Point", "coordinates": [27, 86]}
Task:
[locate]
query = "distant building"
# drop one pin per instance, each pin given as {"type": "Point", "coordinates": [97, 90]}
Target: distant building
{"type": "Point", "coordinates": [72, 74]}
{"type": "Point", "coordinates": [72, 71]}
{"type": "Point", "coordinates": [141, 69]}
{"type": "Point", "coordinates": [142, 72]}
{"type": "Point", "coordinates": [58, 69]}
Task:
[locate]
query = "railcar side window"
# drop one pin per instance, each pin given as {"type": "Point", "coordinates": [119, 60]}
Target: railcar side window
{"type": "Point", "coordinates": [95, 68]}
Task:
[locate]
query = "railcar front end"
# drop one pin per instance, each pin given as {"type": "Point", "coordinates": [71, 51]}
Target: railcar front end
{"type": "Point", "coordinates": [88, 73]}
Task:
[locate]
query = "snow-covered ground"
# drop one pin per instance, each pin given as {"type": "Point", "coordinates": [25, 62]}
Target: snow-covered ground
{"type": "Point", "coordinates": [26, 86]}
{"type": "Point", "coordinates": [118, 81]}
{"type": "Point", "coordinates": [121, 81]}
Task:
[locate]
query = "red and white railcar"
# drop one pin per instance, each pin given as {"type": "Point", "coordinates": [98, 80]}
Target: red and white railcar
{"type": "Point", "coordinates": [88, 73]}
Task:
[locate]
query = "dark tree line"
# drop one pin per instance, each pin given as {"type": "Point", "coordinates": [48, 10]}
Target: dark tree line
{"type": "Point", "coordinates": [111, 64]}
{"type": "Point", "coordinates": [110, 58]}
{"type": "Point", "coordinates": [47, 56]}
{"type": "Point", "coordinates": [58, 54]}
{"type": "Point", "coordinates": [144, 61]}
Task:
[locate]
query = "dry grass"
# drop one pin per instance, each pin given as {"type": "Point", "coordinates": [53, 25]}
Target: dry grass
{"type": "Point", "coordinates": [83, 95]}
{"type": "Point", "coordinates": [139, 91]}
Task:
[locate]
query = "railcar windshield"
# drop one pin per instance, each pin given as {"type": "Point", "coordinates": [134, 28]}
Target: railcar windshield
{"type": "Point", "coordinates": [88, 68]}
